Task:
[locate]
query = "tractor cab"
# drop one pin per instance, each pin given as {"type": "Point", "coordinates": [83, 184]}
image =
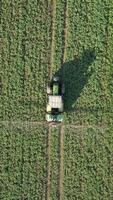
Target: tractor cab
{"type": "Point", "coordinates": [55, 93]}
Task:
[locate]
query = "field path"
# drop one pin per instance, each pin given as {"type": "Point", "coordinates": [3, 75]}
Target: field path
{"type": "Point", "coordinates": [61, 166]}
{"type": "Point", "coordinates": [53, 14]}
{"type": "Point", "coordinates": [61, 142]}
{"type": "Point", "coordinates": [64, 34]}
{"type": "Point", "coordinates": [45, 124]}
{"type": "Point", "coordinates": [48, 164]}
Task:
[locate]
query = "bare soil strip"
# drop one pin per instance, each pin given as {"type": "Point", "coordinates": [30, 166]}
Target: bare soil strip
{"type": "Point", "coordinates": [107, 32]}
{"type": "Point", "coordinates": [53, 14]}
{"type": "Point", "coordinates": [48, 164]}
{"type": "Point", "coordinates": [44, 123]}
{"type": "Point", "coordinates": [61, 166]}
{"type": "Point", "coordinates": [64, 34]}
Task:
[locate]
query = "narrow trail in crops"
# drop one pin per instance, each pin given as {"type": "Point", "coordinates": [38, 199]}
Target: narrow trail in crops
{"type": "Point", "coordinates": [107, 31]}
{"type": "Point", "coordinates": [53, 14]}
{"type": "Point", "coordinates": [107, 45]}
{"type": "Point", "coordinates": [64, 34]}
{"type": "Point", "coordinates": [32, 124]}
{"type": "Point", "coordinates": [61, 164]}
{"type": "Point", "coordinates": [61, 138]}
{"type": "Point", "coordinates": [48, 164]}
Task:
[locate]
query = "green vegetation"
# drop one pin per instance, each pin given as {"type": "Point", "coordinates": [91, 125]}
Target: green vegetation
{"type": "Point", "coordinates": [54, 164]}
{"type": "Point", "coordinates": [23, 162]}
{"type": "Point", "coordinates": [88, 164]}
{"type": "Point", "coordinates": [73, 39]}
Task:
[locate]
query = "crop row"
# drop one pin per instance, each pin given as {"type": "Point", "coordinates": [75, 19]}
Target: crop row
{"type": "Point", "coordinates": [88, 69]}
{"type": "Point", "coordinates": [25, 40]}
{"type": "Point", "coordinates": [26, 33]}
{"type": "Point", "coordinates": [88, 164]}
{"type": "Point", "coordinates": [23, 162]}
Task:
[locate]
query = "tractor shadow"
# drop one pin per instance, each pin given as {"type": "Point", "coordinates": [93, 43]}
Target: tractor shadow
{"type": "Point", "coordinates": [75, 75]}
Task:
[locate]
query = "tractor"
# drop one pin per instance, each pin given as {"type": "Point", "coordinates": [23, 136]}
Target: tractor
{"type": "Point", "coordinates": [55, 100]}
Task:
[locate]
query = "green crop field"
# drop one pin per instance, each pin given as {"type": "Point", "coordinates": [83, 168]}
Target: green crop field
{"type": "Point", "coordinates": [72, 160]}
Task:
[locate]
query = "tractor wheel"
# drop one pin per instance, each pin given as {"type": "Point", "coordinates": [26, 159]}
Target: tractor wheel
{"type": "Point", "coordinates": [48, 108]}
{"type": "Point", "coordinates": [63, 89]}
{"type": "Point", "coordinates": [61, 109]}
{"type": "Point", "coordinates": [49, 90]}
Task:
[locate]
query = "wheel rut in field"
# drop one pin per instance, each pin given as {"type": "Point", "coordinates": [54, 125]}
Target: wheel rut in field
{"type": "Point", "coordinates": [27, 124]}
{"type": "Point", "coordinates": [64, 34]}
{"type": "Point", "coordinates": [61, 136]}
{"type": "Point", "coordinates": [53, 14]}
{"type": "Point", "coordinates": [61, 164]}
{"type": "Point", "coordinates": [48, 164]}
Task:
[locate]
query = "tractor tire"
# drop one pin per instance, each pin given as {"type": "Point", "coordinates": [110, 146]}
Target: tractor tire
{"type": "Point", "coordinates": [63, 89]}
{"type": "Point", "coordinates": [49, 90]}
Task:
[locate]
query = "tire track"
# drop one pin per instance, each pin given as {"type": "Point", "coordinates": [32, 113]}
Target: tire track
{"type": "Point", "coordinates": [61, 164]}
{"type": "Point", "coordinates": [61, 139]}
{"type": "Point", "coordinates": [53, 14]}
{"type": "Point", "coordinates": [64, 34]}
{"type": "Point", "coordinates": [48, 164]}
{"type": "Point", "coordinates": [43, 123]}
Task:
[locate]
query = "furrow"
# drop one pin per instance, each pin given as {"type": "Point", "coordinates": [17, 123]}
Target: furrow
{"type": "Point", "coordinates": [61, 164]}
{"type": "Point", "coordinates": [48, 164]}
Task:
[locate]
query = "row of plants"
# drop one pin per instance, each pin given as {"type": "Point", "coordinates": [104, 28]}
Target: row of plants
{"type": "Point", "coordinates": [23, 162]}
{"type": "Point", "coordinates": [25, 32]}
{"type": "Point", "coordinates": [26, 37]}
{"type": "Point", "coordinates": [88, 67]}
{"type": "Point", "coordinates": [88, 163]}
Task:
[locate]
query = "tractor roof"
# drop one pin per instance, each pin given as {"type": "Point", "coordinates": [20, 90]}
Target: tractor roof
{"type": "Point", "coordinates": [55, 101]}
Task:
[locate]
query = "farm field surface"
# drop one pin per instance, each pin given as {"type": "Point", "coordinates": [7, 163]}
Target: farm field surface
{"type": "Point", "coordinates": [83, 169]}
{"type": "Point", "coordinates": [73, 160]}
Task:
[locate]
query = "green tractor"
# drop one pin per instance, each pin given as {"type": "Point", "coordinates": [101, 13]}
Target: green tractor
{"type": "Point", "coordinates": [55, 94]}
